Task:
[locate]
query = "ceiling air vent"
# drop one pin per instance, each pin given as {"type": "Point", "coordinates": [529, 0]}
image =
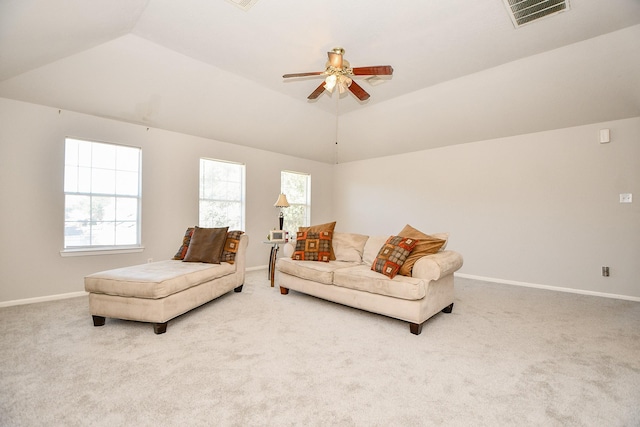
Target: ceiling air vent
{"type": "Point", "coordinates": [525, 11]}
{"type": "Point", "coordinates": [243, 4]}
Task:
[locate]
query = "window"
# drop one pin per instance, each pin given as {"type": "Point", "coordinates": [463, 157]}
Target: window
{"type": "Point", "coordinates": [102, 185]}
{"type": "Point", "coordinates": [297, 187]}
{"type": "Point", "coordinates": [221, 194]}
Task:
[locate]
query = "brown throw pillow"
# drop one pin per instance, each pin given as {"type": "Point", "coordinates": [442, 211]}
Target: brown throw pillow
{"type": "Point", "coordinates": [426, 245]}
{"type": "Point", "coordinates": [206, 245]}
{"type": "Point", "coordinates": [320, 228]}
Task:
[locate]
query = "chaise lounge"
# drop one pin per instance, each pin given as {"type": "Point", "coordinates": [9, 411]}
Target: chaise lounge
{"type": "Point", "coordinates": [160, 291]}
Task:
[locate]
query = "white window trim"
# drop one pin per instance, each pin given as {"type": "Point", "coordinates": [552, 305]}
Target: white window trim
{"type": "Point", "coordinates": [109, 250]}
{"type": "Point", "coordinates": [308, 194]}
{"type": "Point", "coordinates": [243, 189]}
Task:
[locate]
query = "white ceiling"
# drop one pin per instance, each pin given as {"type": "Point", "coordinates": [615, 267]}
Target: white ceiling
{"type": "Point", "coordinates": [462, 72]}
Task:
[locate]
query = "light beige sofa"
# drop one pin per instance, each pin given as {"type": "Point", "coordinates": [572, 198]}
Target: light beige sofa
{"type": "Point", "coordinates": [160, 291]}
{"type": "Point", "coordinates": [350, 281]}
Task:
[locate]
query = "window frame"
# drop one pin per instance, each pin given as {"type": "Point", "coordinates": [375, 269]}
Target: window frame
{"type": "Point", "coordinates": [93, 167]}
{"type": "Point", "coordinates": [293, 202]}
{"type": "Point", "coordinates": [202, 190]}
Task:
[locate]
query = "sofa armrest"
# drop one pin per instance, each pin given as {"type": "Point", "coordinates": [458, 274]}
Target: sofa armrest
{"type": "Point", "coordinates": [288, 249]}
{"type": "Point", "coordinates": [435, 266]}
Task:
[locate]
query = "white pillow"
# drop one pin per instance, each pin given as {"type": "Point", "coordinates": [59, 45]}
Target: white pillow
{"type": "Point", "coordinates": [372, 247]}
{"type": "Point", "coordinates": [349, 246]}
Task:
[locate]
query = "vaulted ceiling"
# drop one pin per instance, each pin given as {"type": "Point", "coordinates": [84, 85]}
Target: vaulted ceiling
{"type": "Point", "coordinates": [462, 71]}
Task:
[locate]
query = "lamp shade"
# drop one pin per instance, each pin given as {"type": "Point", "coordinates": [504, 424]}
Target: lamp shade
{"type": "Point", "coordinates": [281, 202]}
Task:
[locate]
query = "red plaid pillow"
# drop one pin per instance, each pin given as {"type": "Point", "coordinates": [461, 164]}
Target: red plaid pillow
{"type": "Point", "coordinates": [393, 254]}
{"type": "Point", "coordinates": [313, 246]}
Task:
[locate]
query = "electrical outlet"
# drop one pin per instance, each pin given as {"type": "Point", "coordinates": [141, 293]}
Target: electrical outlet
{"type": "Point", "coordinates": [605, 271]}
{"type": "Point", "coordinates": [626, 197]}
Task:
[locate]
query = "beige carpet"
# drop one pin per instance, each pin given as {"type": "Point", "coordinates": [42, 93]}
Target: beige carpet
{"type": "Point", "coordinates": [506, 356]}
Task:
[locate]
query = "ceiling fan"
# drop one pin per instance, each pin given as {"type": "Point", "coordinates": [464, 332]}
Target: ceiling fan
{"type": "Point", "coordinates": [339, 73]}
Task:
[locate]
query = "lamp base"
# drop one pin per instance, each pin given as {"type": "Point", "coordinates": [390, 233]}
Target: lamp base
{"type": "Point", "coordinates": [281, 221]}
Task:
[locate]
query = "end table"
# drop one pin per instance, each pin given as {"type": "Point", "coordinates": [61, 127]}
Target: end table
{"type": "Point", "coordinates": [273, 257]}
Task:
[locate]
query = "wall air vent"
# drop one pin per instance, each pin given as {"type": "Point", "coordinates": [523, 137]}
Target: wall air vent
{"type": "Point", "coordinates": [243, 4]}
{"type": "Point", "coordinates": [526, 11]}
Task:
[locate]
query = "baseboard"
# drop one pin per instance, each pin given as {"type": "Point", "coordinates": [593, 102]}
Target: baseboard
{"type": "Point", "coordinates": [42, 299]}
{"type": "Point", "coordinates": [463, 275]}
{"type": "Point", "coordinates": [549, 288]}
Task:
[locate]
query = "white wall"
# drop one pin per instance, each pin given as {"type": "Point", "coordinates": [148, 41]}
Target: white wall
{"type": "Point", "coordinates": [32, 206]}
{"type": "Point", "coordinates": [540, 209]}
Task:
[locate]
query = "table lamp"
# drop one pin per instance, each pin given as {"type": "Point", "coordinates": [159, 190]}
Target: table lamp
{"type": "Point", "coordinates": [281, 203]}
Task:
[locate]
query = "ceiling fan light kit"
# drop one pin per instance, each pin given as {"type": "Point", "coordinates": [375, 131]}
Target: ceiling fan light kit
{"type": "Point", "coordinates": [339, 74]}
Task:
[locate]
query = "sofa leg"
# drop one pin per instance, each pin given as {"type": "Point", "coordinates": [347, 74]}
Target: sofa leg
{"type": "Point", "coordinates": [160, 328]}
{"type": "Point", "coordinates": [238, 289]}
{"type": "Point", "coordinates": [416, 328]}
{"type": "Point", "coordinates": [284, 291]}
{"type": "Point", "coordinates": [98, 320]}
{"type": "Point", "coordinates": [448, 309]}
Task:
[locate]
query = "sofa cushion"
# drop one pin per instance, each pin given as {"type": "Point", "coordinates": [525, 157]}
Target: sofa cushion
{"type": "Point", "coordinates": [313, 246]}
{"type": "Point", "coordinates": [393, 254]}
{"type": "Point", "coordinates": [427, 245]}
{"type": "Point", "coordinates": [321, 272]}
{"type": "Point", "coordinates": [330, 226]}
{"type": "Point", "coordinates": [349, 246]}
{"type": "Point", "coordinates": [362, 278]}
{"type": "Point", "coordinates": [206, 245]}
{"type": "Point", "coordinates": [156, 279]}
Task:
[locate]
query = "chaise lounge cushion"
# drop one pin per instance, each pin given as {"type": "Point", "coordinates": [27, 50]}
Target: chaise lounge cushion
{"type": "Point", "coordinates": [155, 280]}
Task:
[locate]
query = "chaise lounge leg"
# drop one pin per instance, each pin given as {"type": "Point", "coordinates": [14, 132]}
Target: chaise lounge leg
{"type": "Point", "coordinates": [416, 328]}
{"type": "Point", "coordinates": [284, 291]}
{"type": "Point", "coordinates": [98, 320]}
{"type": "Point", "coordinates": [238, 289]}
{"type": "Point", "coordinates": [448, 309]}
{"type": "Point", "coordinates": [160, 328]}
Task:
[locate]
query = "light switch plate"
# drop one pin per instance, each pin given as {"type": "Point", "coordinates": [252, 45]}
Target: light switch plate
{"type": "Point", "coordinates": [626, 198]}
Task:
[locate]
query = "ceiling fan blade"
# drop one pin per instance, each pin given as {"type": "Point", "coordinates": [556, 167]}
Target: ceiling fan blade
{"type": "Point", "coordinates": [335, 59]}
{"type": "Point", "coordinates": [312, 73]}
{"type": "Point", "coordinates": [357, 90]}
{"type": "Point", "coordinates": [316, 93]}
{"type": "Point", "coordinates": [378, 70]}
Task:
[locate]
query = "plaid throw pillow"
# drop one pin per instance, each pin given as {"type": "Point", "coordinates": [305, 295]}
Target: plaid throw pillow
{"type": "Point", "coordinates": [313, 246]}
{"type": "Point", "coordinates": [393, 254]}
{"type": "Point", "coordinates": [320, 228]}
{"type": "Point", "coordinates": [231, 246]}
{"type": "Point", "coordinates": [185, 244]}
